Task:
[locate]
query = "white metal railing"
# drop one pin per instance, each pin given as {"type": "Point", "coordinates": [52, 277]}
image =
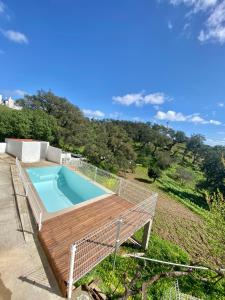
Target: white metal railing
{"type": "Point", "coordinates": [127, 189]}
{"type": "Point", "coordinates": [174, 293]}
{"type": "Point", "coordinates": [87, 252]}
{"type": "Point", "coordinates": [31, 196]}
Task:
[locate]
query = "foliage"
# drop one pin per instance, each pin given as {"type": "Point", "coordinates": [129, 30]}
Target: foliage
{"type": "Point", "coordinates": [214, 169]}
{"type": "Point", "coordinates": [27, 124]}
{"type": "Point", "coordinates": [112, 283]}
{"type": "Point", "coordinates": [215, 226]}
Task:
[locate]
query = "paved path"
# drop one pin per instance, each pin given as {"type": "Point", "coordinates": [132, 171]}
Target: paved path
{"type": "Point", "coordinates": [9, 221]}
{"type": "Point", "coordinates": [24, 271]}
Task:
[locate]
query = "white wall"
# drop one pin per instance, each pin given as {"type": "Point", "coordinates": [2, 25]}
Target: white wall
{"type": "Point", "coordinates": [44, 149]}
{"type": "Point", "coordinates": [31, 152]}
{"type": "Point", "coordinates": [14, 147]}
{"type": "Point", "coordinates": [2, 147]}
{"type": "Point", "coordinates": [54, 154]}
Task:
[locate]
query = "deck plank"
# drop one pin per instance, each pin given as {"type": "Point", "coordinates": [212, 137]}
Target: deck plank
{"type": "Point", "coordinates": [60, 232]}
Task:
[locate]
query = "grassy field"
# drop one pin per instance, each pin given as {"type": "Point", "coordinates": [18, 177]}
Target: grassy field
{"type": "Point", "coordinates": [178, 235]}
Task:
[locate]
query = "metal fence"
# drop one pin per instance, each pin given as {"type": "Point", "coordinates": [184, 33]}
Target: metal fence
{"type": "Point", "coordinates": [87, 252]}
{"type": "Point", "coordinates": [31, 196]}
{"type": "Point", "coordinates": [174, 293]}
{"type": "Point", "coordinates": [126, 189]}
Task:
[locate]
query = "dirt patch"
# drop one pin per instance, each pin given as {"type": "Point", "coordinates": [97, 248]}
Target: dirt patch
{"type": "Point", "coordinates": [176, 223]}
{"type": "Point", "coordinates": [179, 225]}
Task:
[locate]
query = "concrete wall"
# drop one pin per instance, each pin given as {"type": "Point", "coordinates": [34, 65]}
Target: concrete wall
{"type": "Point", "coordinates": [2, 147]}
{"type": "Point", "coordinates": [14, 147]}
{"type": "Point", "coordinates": [54, 154]}
{"type": "Point", "coordinates": [31, 152]}
{"type": "Point", "coordinates": [44, 149]}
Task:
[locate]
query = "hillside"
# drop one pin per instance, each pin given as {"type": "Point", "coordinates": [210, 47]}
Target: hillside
{"type": "Point", "coordinates": [188, 175]}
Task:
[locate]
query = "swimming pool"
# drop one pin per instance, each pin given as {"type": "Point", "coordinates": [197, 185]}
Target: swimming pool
{"type": "Point", "coordinates": [60, 188]}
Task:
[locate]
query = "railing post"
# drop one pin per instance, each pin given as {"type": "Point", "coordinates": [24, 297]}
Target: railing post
{"type": "Point", "coordinates": [96, 170]}
{"type": "Point", "coordinates": [120, 185]}
{"type": "Point", "coordinates": [146, 234]}
{"type": "Point", "coordinates": [118, 229]}
{"type": "Point", "coordinates": [73, 249]}
{"type": "Point", "coordinates": [40, 222]}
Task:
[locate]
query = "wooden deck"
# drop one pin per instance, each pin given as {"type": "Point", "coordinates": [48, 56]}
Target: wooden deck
{"type": "Point", "coordinates": [60, 232]}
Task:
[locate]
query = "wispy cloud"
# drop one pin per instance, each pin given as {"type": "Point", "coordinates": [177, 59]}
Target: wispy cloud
{"type": "Point", "coordinates": [2, 7]}
{"type": "Point", "coordinates": [140, 99]}
{"type": "Point", "coordinates": [221, 104]}
{"type": "Point", "coordinates": [96, 114]}
{"type": "Point", "coordinates": [196, 5]}
{"type": "Point", "coordinates": [213, 27]}
{"type": "Point", "coordinates": [115, 115]}
{"type": "Point", "coordinates": [13, 93]}
{"type": "Point", "coordinates": [215, 142]}
{"type": "Point", "coordinates": [4, 11]}
{"type": "Point", "coordinates": [15, 36]}
{"type": "Point", "coordinates": [170, 25]}
{"type": "Point", "coordinates": [180, 117]}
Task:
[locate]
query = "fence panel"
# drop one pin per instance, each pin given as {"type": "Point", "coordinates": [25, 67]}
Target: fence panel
{"type": "Point", "coordinates": [93, 248]}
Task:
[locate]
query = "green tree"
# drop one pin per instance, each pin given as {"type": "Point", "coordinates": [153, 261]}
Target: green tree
{"type": "Point", "coordinates": [69, 117]}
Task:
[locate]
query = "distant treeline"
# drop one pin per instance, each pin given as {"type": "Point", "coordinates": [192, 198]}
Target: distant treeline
{"type": "Point", "coordinates": [112, 144]}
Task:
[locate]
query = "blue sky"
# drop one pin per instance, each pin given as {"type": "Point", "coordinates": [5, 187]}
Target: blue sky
{"type": "Point", "coordinates": [151, 60]}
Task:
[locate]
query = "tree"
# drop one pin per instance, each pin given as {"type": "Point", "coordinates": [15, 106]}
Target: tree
{"type": "Point", "coordinates": [195, 146]}
{"type": "Point", "coordinates": [213, 168]}
{"type": "Point", "coordinates": [43, 126]}
{"type": "Point", "coordinates": [69, 117]}
{"type": "Point", "coordinates": [215, 226]}
{"type": "Point", "coordinates": [110, 147]}
{"type": "Point", "coordinates": [27, 124]}
{"type": "Point", "coordinates": [14, 123]}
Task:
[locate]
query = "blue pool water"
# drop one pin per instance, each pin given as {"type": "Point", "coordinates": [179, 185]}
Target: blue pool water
{"type": "Point", "coordinates": [59, 187]}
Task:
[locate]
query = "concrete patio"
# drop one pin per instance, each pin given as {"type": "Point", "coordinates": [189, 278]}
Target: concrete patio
{"type": "Point", "coordinates": [24, 270]}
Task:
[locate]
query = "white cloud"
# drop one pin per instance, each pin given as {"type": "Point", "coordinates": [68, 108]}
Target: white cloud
{"type": "Point", "coordinates": [170, 115]}
{"type": "Point", "coordinates": [2, 7]}
{"type": "Point", "coordinates": [214, 13]}
{"type": "Point", "coordinates": [115, 115]}
{"type": "Point", "coordinates": [180, 117]}
{"type": "Point", "coordinates": [96, 114]}
{"type": "Point", "coordinates": [221, 104]}
{"type": "Point", "coordinates": [140, 99]}
{"type": "Point", "coordinates": [137, 119]}
{"type": "Point", "coordinates": [15, 36]}
{"type": "Point", "coordinates": [13, 93]}
{"type": "Point", "coordinates": [215, 142]}
{"type": "Point", "coordinates": [170, 25]}
{"type": "Point", "coordinates": [196, 5]}
{"type": "Point", "coordinates": [214, 122]}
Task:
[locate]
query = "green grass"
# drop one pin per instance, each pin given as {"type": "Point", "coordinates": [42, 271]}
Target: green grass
{"type": "Point", "coordinates": [184, 192]}
{"type": "Point", "coordinates": [111, 282]}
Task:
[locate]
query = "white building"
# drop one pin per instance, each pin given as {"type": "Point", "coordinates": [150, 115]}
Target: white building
{"type": "Point", "coordinates": [30, 151]}
{"type": "Point", "coordinates": [9, 102]}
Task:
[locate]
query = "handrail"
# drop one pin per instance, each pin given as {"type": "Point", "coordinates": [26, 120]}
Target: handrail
{"type": "Point", "coordinates": [97, 244]}
{"type": "Point", "coordinates": [32, 198]}
{"type": "Point", "coordinates": [125, 213]}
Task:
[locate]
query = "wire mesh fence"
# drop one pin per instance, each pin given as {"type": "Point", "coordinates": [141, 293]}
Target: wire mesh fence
{"type": "Point", "coordinates": [94, 247]}
{"type": "Point", "coordinates": [126, 189]}
{"type": "Point", "coordinates": [174, 293]}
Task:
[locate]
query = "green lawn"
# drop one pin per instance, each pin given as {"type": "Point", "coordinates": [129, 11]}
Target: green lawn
{"type": "Point", "coordinates": [185, 192]}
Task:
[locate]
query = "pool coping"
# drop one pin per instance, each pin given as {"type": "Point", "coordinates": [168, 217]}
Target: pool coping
{"type": "Point", "coordinates": [48, 215]}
